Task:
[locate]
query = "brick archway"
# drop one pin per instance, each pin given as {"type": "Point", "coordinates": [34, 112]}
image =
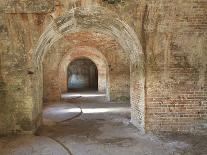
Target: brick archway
{"type": "Point", "coordinates": [82, 75]}
{"type": "Point", "coordinates": [86, 52]}
{"type": "Point", "coordinates": [102, 21]}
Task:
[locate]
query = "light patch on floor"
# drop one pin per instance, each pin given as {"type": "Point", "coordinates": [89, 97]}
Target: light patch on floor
{"type": "Point", "coordinates": [93, 126]}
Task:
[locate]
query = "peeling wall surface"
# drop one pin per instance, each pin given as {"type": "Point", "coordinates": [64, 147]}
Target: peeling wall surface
{"type": "Point", "coordinates": [155, 54]}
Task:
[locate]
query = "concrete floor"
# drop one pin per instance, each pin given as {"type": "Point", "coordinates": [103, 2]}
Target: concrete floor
{"type": "Point", "coordinates": [86, 124]}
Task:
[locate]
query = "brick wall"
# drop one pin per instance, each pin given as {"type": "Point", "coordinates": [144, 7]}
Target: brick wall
{"type": "Point", "coordinates": [108, 62]}
{"type": "Point", "coordinates": [176, 66]}
{"type": "Point", "coordinates": [173, 38]}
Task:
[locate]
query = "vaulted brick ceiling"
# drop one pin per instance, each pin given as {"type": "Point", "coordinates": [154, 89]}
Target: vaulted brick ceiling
{"type": "Point", "coordinates": [92, 39]}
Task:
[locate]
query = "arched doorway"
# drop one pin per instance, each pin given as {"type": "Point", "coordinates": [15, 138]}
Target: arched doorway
{"type": "Point", "coordinates": [106, 23]}
{"type": "Point", "coordinates": [82, 75]}
{"type": "Point", "coordinates": [89, 53]}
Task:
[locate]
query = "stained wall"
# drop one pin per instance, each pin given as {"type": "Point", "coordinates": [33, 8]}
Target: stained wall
{"type": "Point", "coordinates": [103, 50]}
{"type": "Point", "coordinates": [173, 39]}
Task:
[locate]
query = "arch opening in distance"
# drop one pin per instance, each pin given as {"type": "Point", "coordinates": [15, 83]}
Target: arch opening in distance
{"type": "Point", "coordinates": [95, 56]}
{"type": "Point", "coordinates": [82, 75]}
{"type": "Point", "coordinates": [103, 22]}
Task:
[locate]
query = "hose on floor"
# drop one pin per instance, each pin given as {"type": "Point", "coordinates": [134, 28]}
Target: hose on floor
{"type": "Point", "coordinates": [59, 142]}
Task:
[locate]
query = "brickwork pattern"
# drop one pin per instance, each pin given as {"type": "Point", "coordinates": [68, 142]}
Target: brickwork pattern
{"type": "Point", "coordinates": [173, 37]}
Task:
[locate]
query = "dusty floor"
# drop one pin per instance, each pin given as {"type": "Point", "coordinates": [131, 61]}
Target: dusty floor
{"type": "Point", "coordinates": [86, 124]}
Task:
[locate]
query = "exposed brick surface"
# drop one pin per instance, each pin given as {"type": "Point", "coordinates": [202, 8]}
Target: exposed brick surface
{"type": "Point", "coordinates": [166, 74]}
{"type": "Point", "coordinates": [112, 78]}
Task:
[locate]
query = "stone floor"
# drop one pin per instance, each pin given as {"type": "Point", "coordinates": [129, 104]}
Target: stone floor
{"type": "Point", "coordinates": [86, 124]}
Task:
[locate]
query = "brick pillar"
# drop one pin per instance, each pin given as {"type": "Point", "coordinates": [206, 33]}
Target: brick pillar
{"type": "Point", "coordinates": [137, 97]}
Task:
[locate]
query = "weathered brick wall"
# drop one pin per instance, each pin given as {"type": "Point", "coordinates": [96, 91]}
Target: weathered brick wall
{"type": "Point", "coordinates": [176, 65]}
{"type": "Point", "coordinates": [118, 83]}
{"type": "Point", "coordinates": [18, 33]}
{"type": "Point", "coordinates": [173, 37]}
{"type": "Point", "coordinates": [119, 75]}
{"type": "Point", "coordinates": [2, 100]}
{"type": "Point", "coordinates": [51, 90]}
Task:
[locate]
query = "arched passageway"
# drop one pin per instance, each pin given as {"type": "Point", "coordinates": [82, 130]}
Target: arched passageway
{"type": "Point", "coordinates": [82, 75]}
{"type": "Point", "coordinates": [56, 84]}
{"type": "Point", "coordinates": [106, 25]}
{"type": "Point", "coordinates": [166, 83]}
{"type": "Point", "coordinates": [87, 52]}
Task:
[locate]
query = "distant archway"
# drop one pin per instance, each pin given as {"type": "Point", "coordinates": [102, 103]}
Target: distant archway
{"type": "Point", "coordinates": [95, 56]}
{"type": "Point", "coordinates": [82, 75]}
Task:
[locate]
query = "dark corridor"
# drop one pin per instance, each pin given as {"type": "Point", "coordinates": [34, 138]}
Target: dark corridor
{"type": "Point", "coordinates": [82, 75]}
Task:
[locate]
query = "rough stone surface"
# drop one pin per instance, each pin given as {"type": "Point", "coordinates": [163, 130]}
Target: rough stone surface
{"type": "Point", "coordinates": [26, 6]}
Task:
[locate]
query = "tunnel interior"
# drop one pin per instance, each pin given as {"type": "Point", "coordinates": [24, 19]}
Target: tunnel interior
{"type": "Point", "coordinates": [82, 75]}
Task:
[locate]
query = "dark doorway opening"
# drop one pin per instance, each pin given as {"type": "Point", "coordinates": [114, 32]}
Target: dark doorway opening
{"type": "Point", "coordinates": [82, 75]}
